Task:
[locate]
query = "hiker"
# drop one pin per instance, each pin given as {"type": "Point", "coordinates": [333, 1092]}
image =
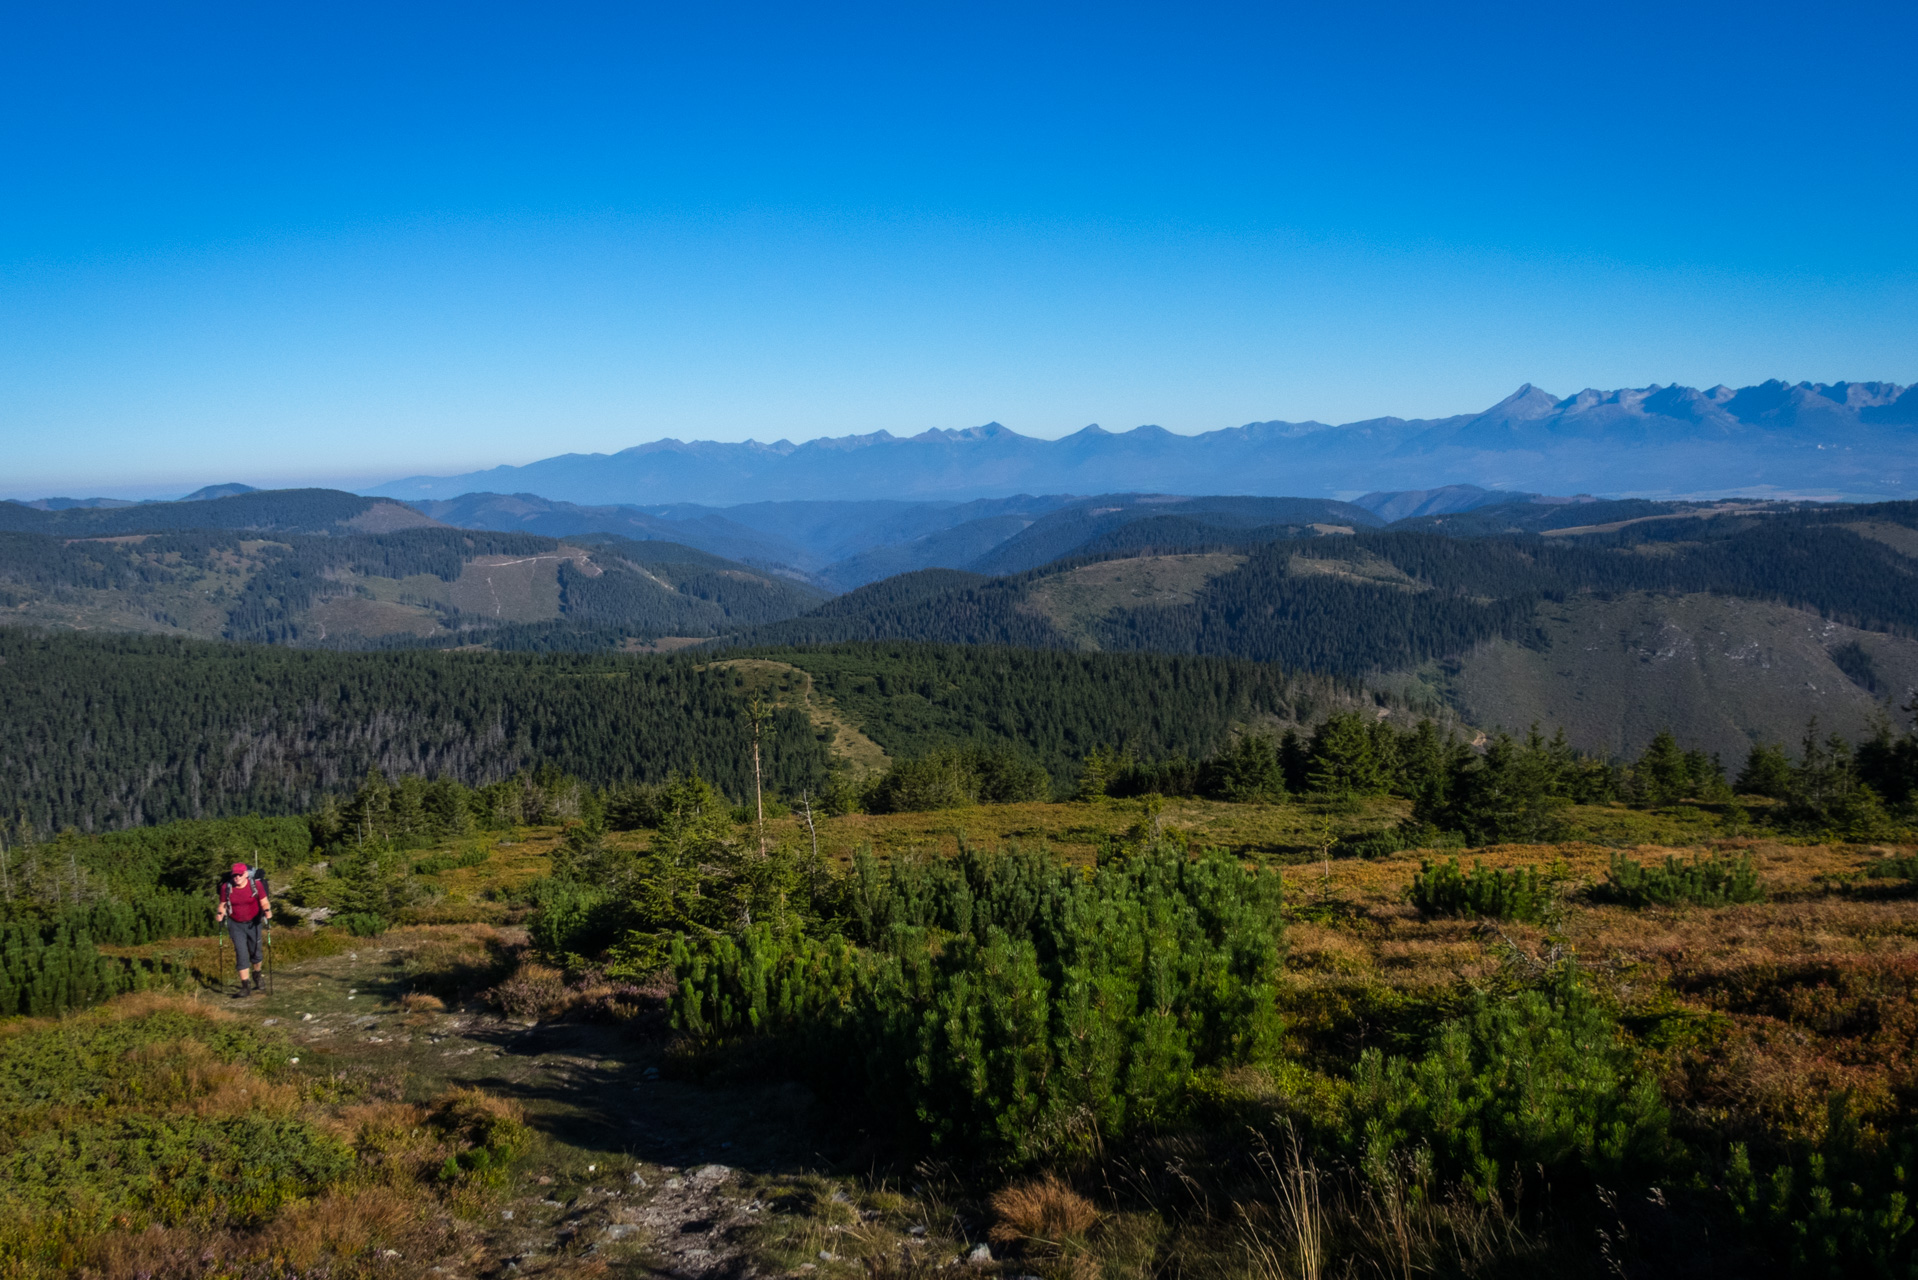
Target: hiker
{"type": "Point", "coordinates": [243, 905]}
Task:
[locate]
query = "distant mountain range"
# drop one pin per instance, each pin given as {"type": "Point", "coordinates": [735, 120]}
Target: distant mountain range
{"type": "Point", "coordinates": [1847, 439]}
{"type": "Point", "coordinates": [1729, 621]}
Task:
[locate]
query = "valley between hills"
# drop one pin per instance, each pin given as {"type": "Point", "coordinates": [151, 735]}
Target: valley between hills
{"type": "Point", "coordinates": [1727, 622]}
{"type": "Point", "coordinates": [1238, 887]}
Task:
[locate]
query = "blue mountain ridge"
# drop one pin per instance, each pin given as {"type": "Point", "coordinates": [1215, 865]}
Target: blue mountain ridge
{"type": "Point", "coordinates": [1846, 439]}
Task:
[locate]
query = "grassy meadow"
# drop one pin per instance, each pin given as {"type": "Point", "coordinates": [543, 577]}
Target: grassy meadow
{"type": "Point", "coordinates": [444, 1099]}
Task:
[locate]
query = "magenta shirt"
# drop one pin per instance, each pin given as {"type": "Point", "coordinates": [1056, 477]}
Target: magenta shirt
{"type": "Point", "coordinates": [243, 901]}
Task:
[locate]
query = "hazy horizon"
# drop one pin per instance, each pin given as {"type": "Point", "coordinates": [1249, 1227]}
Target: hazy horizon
{"type": "Point", "coordinates": [369, 243]}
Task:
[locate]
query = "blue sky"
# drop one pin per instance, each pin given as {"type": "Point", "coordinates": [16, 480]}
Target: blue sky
{"type": "Point", "coordinates": [345, 243]}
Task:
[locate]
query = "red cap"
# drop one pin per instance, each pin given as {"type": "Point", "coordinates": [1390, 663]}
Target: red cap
{"type": "Point", "coordinates": [239, 868]}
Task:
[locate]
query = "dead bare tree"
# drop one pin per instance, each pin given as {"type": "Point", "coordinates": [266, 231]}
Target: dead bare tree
{"type": "Point", "coordinates": [756, 716]}
{"type": "Point", "coordinates": [805, 798]}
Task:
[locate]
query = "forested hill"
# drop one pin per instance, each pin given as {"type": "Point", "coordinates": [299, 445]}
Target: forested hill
{"type": "Point", "coordinates": [415, 586]}
{"type": "Point", "coordinates": [314, 511]}
{"type": "Point", "coordinates": [1377, 600]}
{"type": "Point", "coordinates": [1731, 624]}
{"type": "Point", "coordinates": [103, 732]}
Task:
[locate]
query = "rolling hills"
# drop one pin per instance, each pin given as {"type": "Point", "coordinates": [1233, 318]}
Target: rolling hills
{"type": "Point", "coordinates": [426, 584]}
{"type": "Point", "coordinates": [1729, 624]}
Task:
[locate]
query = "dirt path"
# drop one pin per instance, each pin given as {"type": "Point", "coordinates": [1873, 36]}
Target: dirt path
{"type": "Point", "coordinates": [634, 1173]}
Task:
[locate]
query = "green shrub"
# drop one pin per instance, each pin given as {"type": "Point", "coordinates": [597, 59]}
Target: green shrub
{"type": "Point", "coordinates": [237, 1169]}
{"type": "Point", "coordinates": [148, 916]}
{"type": "Point", "coordinates": [186, 856]}
{"type": "Point", "coordinates": [1534, 1081]}
{"type": "Point", "coordinates": [576, 918]}
{"type": "Point", "coordinates": [698, 877]}
{"type": "Point", "coordinates": [1010, 1005]}
{"type": "Point", "coordinates": [451, 861]}
{"type": "Point", "coordinates": [1704, 881]}
{"type": "Point", "coordinates": [1246, 772]}
{"type": "Point", "coordinates": [88, 1129]}
{"type": "Point", "coordinates": [362, 924]}
{"type": "Point", "coordinates": [954, 778]}
{"type": "Point", "coordinates": [1893, 869]}
{"type": "Point", "coordinates": [1837, 1209]}
{"type": "Point", "coordinates": [1394, 839]}
{"type": "Point", "coordinates": [51, 969]}
{"type": "Point", "coordinates": [1441, 889]}
{"type": "Point", "coordinates": [492, 1133]}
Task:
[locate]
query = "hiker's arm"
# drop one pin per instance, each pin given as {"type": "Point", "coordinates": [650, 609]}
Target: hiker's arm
{"type": "Point", "coordinates": [266, 906]}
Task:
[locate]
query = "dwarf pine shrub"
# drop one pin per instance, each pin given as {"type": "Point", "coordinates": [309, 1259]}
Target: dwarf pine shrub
{"type": "Point", "coordinates": [1008, 1005]}
{"type": "Point", "coordinates": [104, 1119]}
{"type": "Point", "coordinates": [1441, 889]}
{"type": "Point", "coordinates": [451, 861]}
{"type": "Point", "coordinates": [1707, 881]}
{"type": "Point", "coordinates": [1536, 1080]}
{"type": "Point", "coordinates": [50, 969]}
{"type": "Point", "coordinates": [1839, 1208]}
{"type": "Point", "coordinates": [1892, 869]}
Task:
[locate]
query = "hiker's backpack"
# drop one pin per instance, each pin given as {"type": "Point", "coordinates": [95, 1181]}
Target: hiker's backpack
{"type": "Point", "coordinates": [254, 873]}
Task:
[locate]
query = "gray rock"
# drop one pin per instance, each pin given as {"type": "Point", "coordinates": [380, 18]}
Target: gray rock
{"type": "Point", "coordinates": [981, 1256]}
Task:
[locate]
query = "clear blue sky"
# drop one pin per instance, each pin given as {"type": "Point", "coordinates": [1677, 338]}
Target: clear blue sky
{"type": "Point", "coordinates": [346, 243]}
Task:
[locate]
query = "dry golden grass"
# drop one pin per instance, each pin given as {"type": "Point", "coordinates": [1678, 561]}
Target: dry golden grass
{"type": "Point", "coordinates": [1075, 831]}
{"type": "Point", "coordinates": [513, 860]}
{"type": "Point", "coordinates": [343, 1233]}
{"type": "Point", "coordinates": [138, 1004]}
{"type": "Point", "coordinates": [1043, 1211]}
{"type": "Point", "coordinates": [420, 1002]}
{"type": "Point", "coordinates": [183, 1075]}
{"type": "Point", "coordinates": [534, 991]}
{"type": "Point", "coordinates": [393, 1214]}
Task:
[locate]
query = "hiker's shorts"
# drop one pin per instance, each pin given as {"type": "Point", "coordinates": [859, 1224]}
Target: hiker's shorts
{"type": "Point", "coordinates": [246, 941]}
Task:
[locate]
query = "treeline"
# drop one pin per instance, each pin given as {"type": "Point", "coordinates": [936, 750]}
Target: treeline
{"type": "Point", "coordinates": [1509, 789]}
{"type": "Point", "coordinates": [104, 732]}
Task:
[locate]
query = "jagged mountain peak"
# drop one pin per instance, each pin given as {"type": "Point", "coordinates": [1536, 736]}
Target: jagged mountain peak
{"type": "Point", "coordinates": [1659, 439]}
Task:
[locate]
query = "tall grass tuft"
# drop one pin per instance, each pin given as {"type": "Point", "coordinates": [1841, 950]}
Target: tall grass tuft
{"type": "Point", "coordinates": [1044, 1211]}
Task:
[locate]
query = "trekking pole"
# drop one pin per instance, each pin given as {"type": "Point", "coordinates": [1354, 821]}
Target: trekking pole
{"type": "Point", "coordinates": [267, 962]}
